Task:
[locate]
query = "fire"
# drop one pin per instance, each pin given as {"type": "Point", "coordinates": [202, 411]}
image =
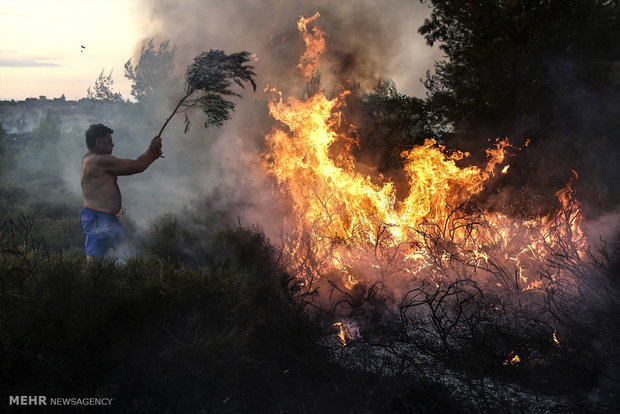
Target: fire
{"type": "Point", "coordinates": [437, 184]}
{"type": "Point", "coordinates": [572, 215]}
{"type": "Point", "coordinates": [341, 333]}
{"type": "Point", "coordinates": [354, 225]}
{"type": "Point", "coordinates": [537, 284]}
{"type": "Point", "coordinates": [513, 359]}
{"type": "Point", "coordinates": [315, 46]}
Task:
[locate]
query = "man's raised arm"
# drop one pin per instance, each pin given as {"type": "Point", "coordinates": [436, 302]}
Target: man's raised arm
{"type": "Point", "coordinates": [121, 166]}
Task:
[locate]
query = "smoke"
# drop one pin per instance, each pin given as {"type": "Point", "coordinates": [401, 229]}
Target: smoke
{"type": "Point", "coordinates": [604, 229]}
{"type": "Point", "coordinates": [366, 41]}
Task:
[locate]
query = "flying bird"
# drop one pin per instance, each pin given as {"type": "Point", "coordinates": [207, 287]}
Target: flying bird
{"type": "Point", "coordinates": [82, 47]}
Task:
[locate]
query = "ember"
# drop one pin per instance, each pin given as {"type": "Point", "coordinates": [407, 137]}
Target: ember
{"type": "Point", "coordinates": [341, 333]}
{"type": "Point", "coordinates": [513, 359]}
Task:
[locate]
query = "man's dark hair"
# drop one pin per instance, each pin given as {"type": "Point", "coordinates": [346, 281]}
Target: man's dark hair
{"type": "Point", "coordinates": [96, 131]}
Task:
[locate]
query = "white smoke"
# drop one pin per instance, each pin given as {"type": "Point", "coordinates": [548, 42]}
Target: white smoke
{"type": "Point", "coordinates": [366, 41]}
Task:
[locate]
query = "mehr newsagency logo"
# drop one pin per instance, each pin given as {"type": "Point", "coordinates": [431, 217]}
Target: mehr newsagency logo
{"type": "Point", "coordinates": [34, 400]}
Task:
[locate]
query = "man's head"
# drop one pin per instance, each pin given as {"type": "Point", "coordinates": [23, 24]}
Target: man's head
{"type": "Point", "coordinates": [99, 138]}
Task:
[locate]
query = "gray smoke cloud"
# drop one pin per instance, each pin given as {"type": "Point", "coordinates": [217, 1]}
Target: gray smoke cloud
{"type": "Point", "coordinates": [366, 41]}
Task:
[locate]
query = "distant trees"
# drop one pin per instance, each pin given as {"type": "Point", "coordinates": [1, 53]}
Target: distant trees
{"type": "Point", "coordinates": [102, 91]}
{"type": "Point", "coordinates": [48, 129]}
{"type": "Point", "coordinates": [2, 142]}
{"type": "Point", "coordinates": [154, 66]}
{"type": "Point", "coordinates": [41, 152]}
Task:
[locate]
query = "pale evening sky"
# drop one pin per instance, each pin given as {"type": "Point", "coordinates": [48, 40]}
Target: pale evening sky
{"type": "Point", "coordinates": [41, 45]}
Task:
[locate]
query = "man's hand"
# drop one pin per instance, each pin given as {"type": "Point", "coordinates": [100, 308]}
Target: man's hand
{"type": "Point", "coordinates": [156, 146]}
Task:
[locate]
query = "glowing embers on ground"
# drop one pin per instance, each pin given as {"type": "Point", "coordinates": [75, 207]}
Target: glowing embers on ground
{"type": "Point", "coordinates": [512, 359]}
{"type": "Point", "coordinates": [353, 225]}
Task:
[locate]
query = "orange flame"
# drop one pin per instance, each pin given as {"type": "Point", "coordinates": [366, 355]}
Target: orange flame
{"type": "Point", "coordinates": [537, 284]}
{"type": "Point", "coordinates": [513, 359]}
{"type": "Point", "coordinates": [315, 46]}
{"type": "Point", "coordinates": [346, 222]}
{"type": "Point", "coordinates": [341, 334]}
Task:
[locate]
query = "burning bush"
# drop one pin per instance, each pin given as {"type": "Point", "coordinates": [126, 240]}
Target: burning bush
{"type": "Point", "coordinates": [482, 294]}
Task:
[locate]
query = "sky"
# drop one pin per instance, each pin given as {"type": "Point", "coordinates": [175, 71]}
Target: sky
{"type": "Point", "coordinates": [41, 45]}
{"type": "Point", "coordinates": [41, 41]}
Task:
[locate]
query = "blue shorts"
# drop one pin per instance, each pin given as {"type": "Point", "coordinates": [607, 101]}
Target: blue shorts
{"type": "Point", "coordinates": [103, 231]}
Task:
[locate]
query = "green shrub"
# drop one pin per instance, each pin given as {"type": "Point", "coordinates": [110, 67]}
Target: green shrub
{"type": "Point", "coordinates": [159, 336]}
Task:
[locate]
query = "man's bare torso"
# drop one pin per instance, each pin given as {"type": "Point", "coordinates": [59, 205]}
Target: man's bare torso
{"type": "Point", "coordinates": [99, 186]}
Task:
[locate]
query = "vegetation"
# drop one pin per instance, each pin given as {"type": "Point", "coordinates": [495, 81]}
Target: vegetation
{"type": "Point", "coordinates": [208, 81]}
{"type": "Point", "coordinates": [163, 336]}
{"type": "Point", "coordinates": [387, 123]}
{"type": "Point", "coordinates": [208, 317]}
{"type": "Point", "coordinates": [538, 70]}
{"type": "Point", "coordinates": [523, 66]}
{"type": "Point", "coordinates": [2, 145]}
{"type": "Point", "coordinates": [102, 91]}
{"type": "Point", "coordinates": [154, 67]}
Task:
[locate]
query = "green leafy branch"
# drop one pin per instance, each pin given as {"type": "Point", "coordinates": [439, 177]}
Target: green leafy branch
{"type": "Point", "coordinates": [208, 81]}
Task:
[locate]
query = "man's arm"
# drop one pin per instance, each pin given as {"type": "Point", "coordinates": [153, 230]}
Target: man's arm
{"type": "Point", "coordinates": [121, 166]}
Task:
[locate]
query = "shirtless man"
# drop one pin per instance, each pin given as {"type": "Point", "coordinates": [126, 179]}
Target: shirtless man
{"type": "Point", "coordinates": [102, 197]}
